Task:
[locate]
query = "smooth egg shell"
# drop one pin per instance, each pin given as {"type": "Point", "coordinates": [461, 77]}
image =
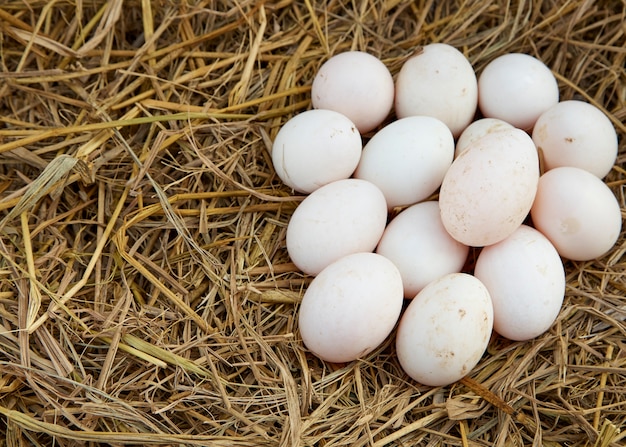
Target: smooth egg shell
{"type": "Point", "coordinates": [351, 307]}
{"type": "Point", "coordinates": [576, 133]}
{"type": "Point", "coordinates": [418, 244]}
{"type": "Point", "coordinates": [445, 330]}
{"type": "Point", "coordinates": [489, 189]}
{"type": "Point", "coordinates": [438, 81]}
{"type": "Point", "coordinates": [315, 148]}
{"type": "Point", "coordinates": [356, 84]}
{"type": "Point", "coordinates": [476, 130]}
{"type": "Point", "coordinates": [516, 88]}
{"type": "Point", "coordinates": [407, 159]}
{"type": "Point", "coordinates": [343, 217]}
{"type": "Point", "coordinates": [526, 281]}
{"type": "Point", "coordinates": [578, 213]}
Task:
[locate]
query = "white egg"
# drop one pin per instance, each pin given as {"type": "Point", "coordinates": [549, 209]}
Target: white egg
{"type": "Point", "coordinates": [407, 159]}
{"type": "Point", "coordinates": [445, 330]}
{"type": "Point", "coordinates": [418, 244]}
{"type": "Point", "coordinates": [516, 88]}
{"type": "Point", "coordinates": [577, 212]}
{"type": "Point", "coordinates": [526, 281]}
{"type": "Point", "coordinates": [315, 148]}
{"type": "Point", "coordinates": [356, 84]}
{"type": "Point", "coordinates": [478, 129]}
{"type": "Point", "coordinates": [438, 81]}
{"type": "Point", "coordinates": [340, 218]}
{"type": "Point", "coordinates": [576, 133]}
{"type": "Point", "coordinates": [489, 189]}
{"type": "Point", "coordinates": [351, 307]}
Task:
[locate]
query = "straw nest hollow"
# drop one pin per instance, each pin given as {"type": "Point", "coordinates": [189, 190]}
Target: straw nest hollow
{"type": "Point", "coordinates": [146, 296]}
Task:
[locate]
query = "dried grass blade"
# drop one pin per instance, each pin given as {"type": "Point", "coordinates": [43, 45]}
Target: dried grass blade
{"type": "Point", "coordinates": [9, 18]}
{"type": "Point", "coordinates": [410, 428]}
{"type": "Point", "coordinates": [173, 297]}
{"type": "Point", "coordinates": [92, 263]}
{"type": "Point", "coordinates": [14, 435]}
{"type": "Point", "coordinates": [217, 171]}
{"type": "Point", "coordinates": [34, 296]}
{"type": "Point", "coordinates": [56, 170]}
{"type": "Point", "coordinates": [98, 140]}
{"type": "Point", "coordinates": [608, 434]}
{"type": "Point", "coordinates": [24, 155]}
{"type": "Point", "coordinates": [111, 14]}
{"type": "Point", "coordinates": [240, 90]}
{"type": "Point", "coordinates": [36, 32]}
{"type": "Point", "coordinates": [168, 357]}
{"type": "Point", "coordinates": [29, 423]}
{"type": "Point", "coordinates": [167, 105]}
{"type": "Point", "coordinates": [136, 352]}
{"type": "Point", "coordinates": [488, 396]}
{"type": "Point", "coordinates": [316, 25]}
{"type": "Point", "coordinates": [57, 355]}
{"type": "Point", "coordinates": [603, 378]}
{"type": "Point", "coordinates": [293, 422]}
{"type": "Point", "coordinates": [84, 32]}
{"type": "Point", "coordinates": [44, 42]}
{"type": "Point", "coordinates": [206, 260]}
{"type": "Point", "coordinates": [62, 131]}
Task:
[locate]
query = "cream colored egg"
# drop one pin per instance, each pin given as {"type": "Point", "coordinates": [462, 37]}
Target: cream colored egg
{"type": "Point", "coordinates": [578, 213]}
{"type": "Point", "coordinates": [315, 148]}
{"type": "Point", "coordinates": [340, 218]}
{"type": "Point", "coordinates": [356, 84]}
{"type": "Point", "coordinates": [445, 330]}
{"type": "Point", "coordinates": [351, 307]}
{"type": "Point", "coordinates": [576, 133]}
{"type": "Point", "coordinates": [438, 81]}
{"type": "Point", "coordinates": [407, 159]}
{"type": "Point", "coordinates": [526, 281]}
{"type": "Point", "coordinates": [516, 88]}
{"type": "Point", "coordinates": [489, 189]}
{"type": "Point", "coordinates": [478, 129]}
{"type": "Point", "coordinates": [418, 244]}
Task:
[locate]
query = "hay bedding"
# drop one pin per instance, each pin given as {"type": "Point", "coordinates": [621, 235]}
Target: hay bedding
{"type": "Point", "coordinates": [146, 295]}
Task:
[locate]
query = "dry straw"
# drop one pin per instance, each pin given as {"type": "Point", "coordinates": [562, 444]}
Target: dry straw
{"type": "Point", "coordinates": [146, 296]}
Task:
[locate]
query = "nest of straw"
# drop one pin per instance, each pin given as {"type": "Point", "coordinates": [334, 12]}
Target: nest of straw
{"type": "Point", "coordinates": [146, 296]}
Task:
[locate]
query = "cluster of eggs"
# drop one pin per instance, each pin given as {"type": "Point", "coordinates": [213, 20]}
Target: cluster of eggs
{"type": "Point", "coordinates": [491, 195]}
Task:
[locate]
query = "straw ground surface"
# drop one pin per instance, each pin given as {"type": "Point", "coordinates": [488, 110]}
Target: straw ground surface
{"type": "Point", "coordinates": [146, 296]}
